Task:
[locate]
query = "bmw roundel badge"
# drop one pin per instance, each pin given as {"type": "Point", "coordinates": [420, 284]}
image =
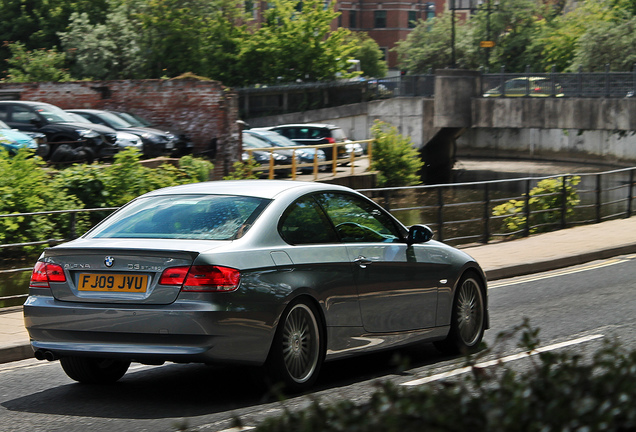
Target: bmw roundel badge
{"type": "Point", "coordinates": [109, 261]}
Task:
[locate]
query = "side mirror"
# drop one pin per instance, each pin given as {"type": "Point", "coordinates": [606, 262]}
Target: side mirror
{"type": "Point", "coordinates": [419, 234]}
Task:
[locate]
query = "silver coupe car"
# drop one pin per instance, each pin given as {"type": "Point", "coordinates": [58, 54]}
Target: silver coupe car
{"type": "Point", "coordinates": [276, 273]}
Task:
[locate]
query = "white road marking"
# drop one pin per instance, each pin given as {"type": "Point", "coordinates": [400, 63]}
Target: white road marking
{"type": "Point", "coordinates": [502, 360]}
{"type": "Point", "coordinates": [555, 273]}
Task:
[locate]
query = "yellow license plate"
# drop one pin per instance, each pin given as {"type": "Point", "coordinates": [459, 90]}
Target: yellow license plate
{"type": "Point", "coordinates": [112, 282]}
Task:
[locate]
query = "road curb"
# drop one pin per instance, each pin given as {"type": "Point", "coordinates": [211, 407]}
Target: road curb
{"type": "Point", "coordinates": [557, 263]}
{"type": "Point", "coordinates": [15, 352]}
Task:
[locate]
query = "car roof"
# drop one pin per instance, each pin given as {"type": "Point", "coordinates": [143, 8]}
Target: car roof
{"type": "Point", "coordinates": [268, 189]}
{"type": "Point", "coordinates": [21, 102]}
{"type": "Point", "coordinates": [309, 125]}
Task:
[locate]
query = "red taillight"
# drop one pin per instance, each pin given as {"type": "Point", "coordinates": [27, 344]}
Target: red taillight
{"type": "Point", "coordinates": [331, 140]}
{"type": "Point", "coordinates": [538, 89]}
{"type": "Point", "coordinates": [202, 278]}
{"type": "Point", "coordinates": [43, 273]}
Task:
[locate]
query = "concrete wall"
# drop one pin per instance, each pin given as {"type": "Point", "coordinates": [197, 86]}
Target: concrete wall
{"type": "Point", "coordinates": [554, 113]}
{"type": "Point", "coordinates": [616, 148]}
{"type": "Point", "coordinates": [205, 110]}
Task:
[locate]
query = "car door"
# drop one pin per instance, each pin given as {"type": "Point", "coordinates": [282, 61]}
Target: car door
{"type": "Point", "coordinates": [397, 284]}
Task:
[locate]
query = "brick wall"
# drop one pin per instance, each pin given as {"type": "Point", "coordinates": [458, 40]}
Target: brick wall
{"type": "Point", "coordinates": [205, 110]}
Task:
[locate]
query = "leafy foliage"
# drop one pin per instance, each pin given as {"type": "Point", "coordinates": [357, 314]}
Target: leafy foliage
{"type": "Point", "coordinates": [28, 186]}
{"type": "Point", "coordinates": [370, 56]}
{"type": "Point", "coordinates": [108, 50]}
{"type": "Point", "coordinates": [546, 202]}
{"type": "Point", "coordinates": [243, 170]}
{"type": "Point", "coordinates": [24, 188]}
{"type": "Point", "coordinates": [38, 65]}
{"type": "Point", "coordinates": [560, 391]}
{"type": "Point", "coordinates": [394, 157]}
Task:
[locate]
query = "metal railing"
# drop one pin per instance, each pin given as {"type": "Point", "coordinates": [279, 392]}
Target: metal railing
{"type": "Point", "coordinates": [462, 213]}
{"type": "Point", "coordinates": [288, 98]}
{"type": "Point", "coordinates": [601, 196]}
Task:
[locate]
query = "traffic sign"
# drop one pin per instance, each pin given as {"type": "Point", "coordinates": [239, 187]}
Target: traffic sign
{"type": "Point", "coordinates": [487, 44]}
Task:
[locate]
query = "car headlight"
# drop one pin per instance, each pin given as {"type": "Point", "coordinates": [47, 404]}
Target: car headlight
{"type": "Point", "coordinates": [279, 157]}
{"type": "Point", "coordinates": [87, 133]}
{"type": "Point", "coordinates": [321, 154]}
{"type": "Point", "coordinates": [151, 137]}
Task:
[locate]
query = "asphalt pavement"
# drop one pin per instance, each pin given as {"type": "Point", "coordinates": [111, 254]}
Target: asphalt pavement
{"type": "Point", "coordinates": [537, 253]}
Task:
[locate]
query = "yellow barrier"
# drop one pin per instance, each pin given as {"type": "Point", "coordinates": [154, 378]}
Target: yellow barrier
{"type": "Point", "coordinates": [271, 168]}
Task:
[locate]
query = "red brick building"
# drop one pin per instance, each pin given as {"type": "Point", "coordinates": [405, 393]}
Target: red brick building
{"type": "Point", "coordinates": [386, 21]}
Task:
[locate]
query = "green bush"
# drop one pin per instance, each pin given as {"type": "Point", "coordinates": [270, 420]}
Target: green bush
{"type": "Point", "coordinates": [546, 201]}
{"type": "Point", "coordinates": [559, 391]}
{"type": "Point", "coordinates": [393, 156]}
{"type": "Point", "coordinates": [243, 170]}
{"type": "Point", "coordinates": [25, 187]}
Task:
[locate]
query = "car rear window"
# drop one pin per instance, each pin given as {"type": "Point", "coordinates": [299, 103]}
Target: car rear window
{"type": "Point", "coordinates": [200, 217]}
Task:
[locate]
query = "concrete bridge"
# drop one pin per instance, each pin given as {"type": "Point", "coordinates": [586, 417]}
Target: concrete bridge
{"type": "Point", "coordinates": [459, 120]}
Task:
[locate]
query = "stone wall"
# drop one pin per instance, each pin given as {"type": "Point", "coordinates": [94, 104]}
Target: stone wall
{"type": "Point", "coordinates": [206, 110]}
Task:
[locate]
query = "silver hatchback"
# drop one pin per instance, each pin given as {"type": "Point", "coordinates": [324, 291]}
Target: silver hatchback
{"type": "Point", "coordinates": [277, 273]}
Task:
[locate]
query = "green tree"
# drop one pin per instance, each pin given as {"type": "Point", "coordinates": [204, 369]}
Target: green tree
{"type": "Point", "coordinates": [108, 50]}
{"type": "Point", "coordinates": [36, 23]}
{"type": "Point", "coordinates": [294, 44]}
{"type": "Point", "coordinates": [370, 56]}
{"type": "Point", "coordinates": [38, 65]}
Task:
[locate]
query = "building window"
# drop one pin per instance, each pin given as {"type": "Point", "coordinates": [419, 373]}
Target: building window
{"type": "Point", "coordinates": [412, 19]}
{"type": "Point", "coordinates": [384, 51]}
{"type": "Point", "coordinates": [353, 17]}
{"type": "Point", "coordinates": [379, 19]}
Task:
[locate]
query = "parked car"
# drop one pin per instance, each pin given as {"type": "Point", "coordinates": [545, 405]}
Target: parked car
{"type": "Point", "coordinates": [278, 273]}
{"type": "Point", "coordinates": [124, 139]}
{"type": "Point", "coordinates": [282, 157]}
{"type": "Point", "coordinates": [305, 155]}
{"type": "Point", "coordinates": [527, 86]}
{"type": "Point", "coordinates": [68, 140]}
{"type": "Point", "coordinates": [182, 146]}
{"type": "Point", "coordinates": [13, 140]}
{"type": "Point", "coordinates": [155, 142]}
{"type": "Point", "coordinates": [313, 134]}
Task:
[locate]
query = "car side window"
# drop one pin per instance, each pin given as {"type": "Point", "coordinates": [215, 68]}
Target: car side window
{"type": "Point", "coordinates": [4, 112]}
{"type": "Point", "coordinates": [357, 220]}
{"type": "Point", "coordinates": [23, 115]}
{"type": "Point", "coordinates": [304, 222]}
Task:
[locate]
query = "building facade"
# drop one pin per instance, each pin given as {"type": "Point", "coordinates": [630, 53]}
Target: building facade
{"type": "Point", "coordinates": [387, 22]}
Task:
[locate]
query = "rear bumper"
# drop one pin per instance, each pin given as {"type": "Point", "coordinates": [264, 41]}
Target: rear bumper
{"type": "Point", "coordinates": [187, 331]}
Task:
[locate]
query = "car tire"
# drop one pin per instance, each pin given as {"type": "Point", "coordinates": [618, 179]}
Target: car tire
{"type": "Point", "coordinates": [84, 154]}
{"type": "Point", "coordinates": [90, 370]}
{"type": "Point", "coordinates": [62, 153]}
{"type": "Point", "coordinates": [298, 350]}
{"type": "Point", "coordinates": [468, 317]}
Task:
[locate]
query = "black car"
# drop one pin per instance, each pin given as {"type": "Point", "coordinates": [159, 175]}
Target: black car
{"type": "Point", "coordinates": [68, 140]}
{"type": "Point", "coordinates": [184, 144]}
{"type": "Point", "coordinates": [155, 142]}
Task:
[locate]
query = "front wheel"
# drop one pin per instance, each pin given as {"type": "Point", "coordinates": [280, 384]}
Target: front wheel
{"type": "Point", "coordinates": [90, 370]}
{"type": "Point", "coordinates": [298, 349]}
{"type": "Point", "coordinates": [468, 318]}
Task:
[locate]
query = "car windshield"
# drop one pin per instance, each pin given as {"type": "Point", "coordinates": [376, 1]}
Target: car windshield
{"type": "Point", "coordinates": [251, 141]}
{"type": "Point", "coordinates": [133, 119]}
{"type": "Point", "coordinates": [280, 140]}
{"type": "Point", "coordinates": [113, 120]}
{"type": "Point", "coordinates": [200, 217]}
{"type": "Point", "coordinates": [54, 114]}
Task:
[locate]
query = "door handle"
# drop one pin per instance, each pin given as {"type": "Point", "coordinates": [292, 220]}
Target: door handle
{"type": "Point", "coordinates": [362, 261]}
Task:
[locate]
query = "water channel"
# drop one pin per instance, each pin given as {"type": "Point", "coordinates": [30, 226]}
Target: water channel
{"type": "Point", "coordinates": [13, 285]}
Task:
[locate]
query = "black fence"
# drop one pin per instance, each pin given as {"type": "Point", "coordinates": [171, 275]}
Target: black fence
{"type": "Point", "coordinates": [288, 98]}
{"type": "Point", "coordinates": [463, 213]}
